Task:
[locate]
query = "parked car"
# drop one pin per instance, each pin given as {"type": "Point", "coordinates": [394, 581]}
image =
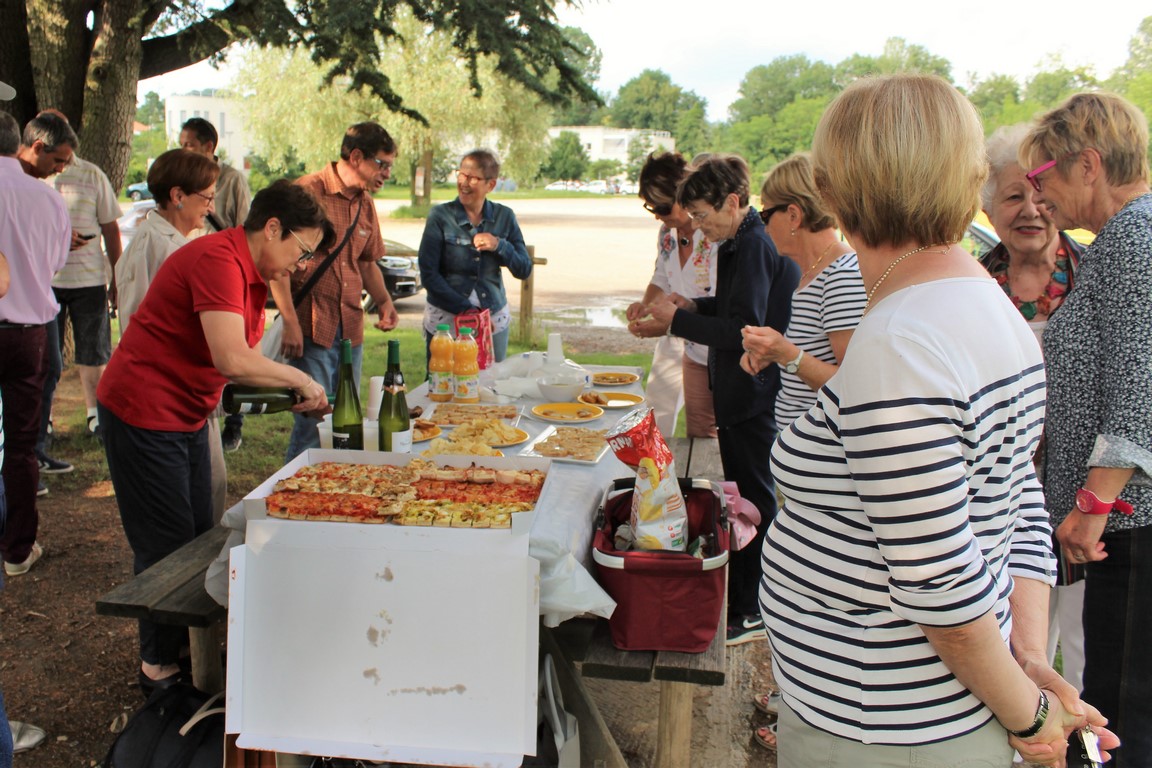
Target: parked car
{"type": "Point", "coordinates": [400, 271]}
{"type": "Point", "coordinates": [138, 191]}
{"type": "Point", "coordinates": [599, 187]}
{"type": "Point", "coordinates": [629, 188]}
{"type": "Point", "coordinates": [563, 186]}
{"type": "Point", "coordinates": [979, 240]}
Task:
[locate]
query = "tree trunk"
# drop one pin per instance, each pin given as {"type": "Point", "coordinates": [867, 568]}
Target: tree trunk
{"type": "Point", "coordinates": [16, 60]}
{"type": "Point", "coordinates": [109, 94]}
{"type": "Point", "coordinates": [60, 56]}
{"type": "Point", "coordinates": [426, 192]}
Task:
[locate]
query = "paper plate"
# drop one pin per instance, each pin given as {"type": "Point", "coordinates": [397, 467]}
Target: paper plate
{"type": "Point", "coordinates": [429, 435]}
{"type": "Point", "coordinates": [521, 437]}
{"type": "Point", "coordinates": [614, 378]}
{"type": "Point", "coordinates": [615, 400]}
{"type": "Point", "coordinates": [567, 413]}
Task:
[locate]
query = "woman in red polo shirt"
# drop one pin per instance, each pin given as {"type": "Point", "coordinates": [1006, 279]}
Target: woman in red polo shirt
{"type": "Point", "coordinates": [198, 327]}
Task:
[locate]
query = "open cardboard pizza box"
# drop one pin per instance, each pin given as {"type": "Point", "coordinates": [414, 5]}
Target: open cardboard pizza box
{"type": "Point", "coordinates": [384, 642]}
{"type": "Point", "coordinates": [254, 508]}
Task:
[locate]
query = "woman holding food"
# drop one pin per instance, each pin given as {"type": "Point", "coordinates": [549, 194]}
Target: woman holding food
{"type": "Point", "coordinates": [686, 265]}
{"type": "Point", "coordinates": [754, 286]}
{"type": "Point", "coordinates": [828, 302]}
{"type": "Point", "coordinates": [1036, 264]}
{"type": "Point", "coordinates": [1089, 161]}
{"type": "Point", "coordinates": [197, 328]}
{"type": "Point", "coordinates": [913, 545]}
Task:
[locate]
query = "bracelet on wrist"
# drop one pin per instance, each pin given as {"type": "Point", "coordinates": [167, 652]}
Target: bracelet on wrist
{"type": "Point", "coordinates": [1038, 722]}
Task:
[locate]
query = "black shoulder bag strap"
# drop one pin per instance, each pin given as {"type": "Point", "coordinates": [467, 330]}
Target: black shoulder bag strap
{"type": "Point", "coordinates": [319, 273]}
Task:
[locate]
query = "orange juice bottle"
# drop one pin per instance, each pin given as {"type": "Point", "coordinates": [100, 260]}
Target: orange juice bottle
{"type": "Point", "coordinates": [466, 368]}
{"type": "Point", "coordinates": [440, 388]}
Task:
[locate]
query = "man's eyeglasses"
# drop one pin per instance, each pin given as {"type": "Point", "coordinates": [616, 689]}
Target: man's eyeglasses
{"type": "Point", "coordinates": [381, 165]}
{"type": "Point", "coordinates": [1033, 175]}
{"type": "Point", "coordinates": [768, 213]}
{"type": "Point", "coordinates": [306, 253]}
{"type": "Point", "coordinates": [659, 210]}
{"type": "Point", "coordinates": [468, 178]}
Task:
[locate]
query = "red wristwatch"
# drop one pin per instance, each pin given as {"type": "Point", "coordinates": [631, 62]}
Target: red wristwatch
{"type": "Point", "coordinates": [1088, 503]}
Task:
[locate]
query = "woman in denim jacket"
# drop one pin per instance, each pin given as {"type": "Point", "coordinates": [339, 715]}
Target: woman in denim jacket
{"type": "Point", "coordinates": [465, 244]}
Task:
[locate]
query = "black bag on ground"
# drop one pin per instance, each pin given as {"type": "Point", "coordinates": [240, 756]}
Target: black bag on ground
{"type": "Point", "coordinates": [177, 728]}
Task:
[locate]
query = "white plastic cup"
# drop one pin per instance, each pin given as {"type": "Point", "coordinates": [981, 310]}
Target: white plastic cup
{"type": "Point", "coordinates": [371, 434]}
{"type": "Point", "coordinates": [325, 430]}
{"type": "Point", "coordinates": [375, 395]}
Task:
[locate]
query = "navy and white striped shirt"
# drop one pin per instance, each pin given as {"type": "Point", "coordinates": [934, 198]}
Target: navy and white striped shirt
{"type": "Point", "coordinates": [911, 499]}
{"type": "Point", "coordinates": [833, 301]}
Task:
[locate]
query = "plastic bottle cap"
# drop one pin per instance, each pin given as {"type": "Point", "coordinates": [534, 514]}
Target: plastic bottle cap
{"type": "Point", "coordinates": [466, 331]}
{"type": "Point", "coordinates": [443, 327]}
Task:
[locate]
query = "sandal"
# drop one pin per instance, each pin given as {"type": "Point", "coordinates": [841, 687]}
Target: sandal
{"type": "Point", "coordinates": [766, 737]}
{"type": "Point", "coordinates": [768, 703]}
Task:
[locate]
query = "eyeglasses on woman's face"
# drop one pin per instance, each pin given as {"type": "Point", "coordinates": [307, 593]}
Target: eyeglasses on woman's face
{"type": "Point", "coordinates": [663, 209]}
{"type": "Point", "coordinates": [306, 252]}
{"type": "Point", "coordinates": [1033, 175]}
{"type": "Point", "coordinates": [767, 213]}
{"type": "Point", "coordinates": [209, 198]}
{"type": "Point", "coordinates": [699, 216]}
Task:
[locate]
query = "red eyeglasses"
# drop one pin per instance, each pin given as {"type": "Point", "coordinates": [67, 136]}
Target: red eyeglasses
{"type": "Point", "coordinates": [1033, 175]}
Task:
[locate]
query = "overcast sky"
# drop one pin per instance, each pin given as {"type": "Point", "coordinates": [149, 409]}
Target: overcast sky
{"type": "Point", "coordinates": [707, 47]}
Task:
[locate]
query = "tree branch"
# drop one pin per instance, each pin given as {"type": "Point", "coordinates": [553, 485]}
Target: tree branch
{"type": "Point", "coordinates": [241, 20]}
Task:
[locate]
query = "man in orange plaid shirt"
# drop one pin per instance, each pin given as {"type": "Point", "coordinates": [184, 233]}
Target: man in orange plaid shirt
{"type": "Point", "coordinates": [332, 311]}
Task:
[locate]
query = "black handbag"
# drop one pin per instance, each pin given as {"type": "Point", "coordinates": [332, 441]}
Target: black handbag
{"type": "Point", "coordinates": [177, 728]}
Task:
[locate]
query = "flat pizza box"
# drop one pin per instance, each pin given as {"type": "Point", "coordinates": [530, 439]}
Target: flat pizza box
{"type": "Point", "coordinates": [342, 644]}
{"type": "Point", "coordinates": [254, 508]}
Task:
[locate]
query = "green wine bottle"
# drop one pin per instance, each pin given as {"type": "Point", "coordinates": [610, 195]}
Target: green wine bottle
{"type": "Point", "coordinates": [239, 398]}
{"type": "Point", "coordinates": [347, 418]}
{"type": "Point", "coordinates": [395, 424]}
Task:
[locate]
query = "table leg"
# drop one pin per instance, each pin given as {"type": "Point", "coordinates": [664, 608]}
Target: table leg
{"type": "Point", "coordinates": [207, 671]}
{"type": "Point", "coordinates": [674, 731]}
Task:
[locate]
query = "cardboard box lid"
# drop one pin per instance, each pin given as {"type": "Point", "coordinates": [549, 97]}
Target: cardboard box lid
{"type": "Point", "coordinates": [383, 654]}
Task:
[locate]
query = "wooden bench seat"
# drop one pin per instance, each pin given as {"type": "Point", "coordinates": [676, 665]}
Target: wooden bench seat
{"type": "Point", "coordinates": [172, 592]}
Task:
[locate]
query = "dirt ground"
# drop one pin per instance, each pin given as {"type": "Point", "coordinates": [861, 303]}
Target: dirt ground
{"type": "Point", "coordinates": [73, 673]}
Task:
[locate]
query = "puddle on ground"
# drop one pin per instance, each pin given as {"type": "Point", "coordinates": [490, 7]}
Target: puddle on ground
{"type": "Point", "coordinates": [599, 317]}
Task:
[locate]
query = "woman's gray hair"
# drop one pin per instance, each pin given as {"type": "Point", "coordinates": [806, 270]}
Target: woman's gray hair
{"type": "Point", "coordinates": [486, 160]}
{"type": "Point", "coordinates": [1002, 148]}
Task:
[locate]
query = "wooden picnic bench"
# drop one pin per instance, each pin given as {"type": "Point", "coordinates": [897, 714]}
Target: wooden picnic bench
{"type": "Point", "coordinates": [588, 642]}
{"type": "Point", "coordinates": [172, 592]}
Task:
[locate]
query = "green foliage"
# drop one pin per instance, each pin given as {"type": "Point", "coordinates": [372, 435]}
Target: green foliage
{"type": "Point", "coordinates": [767, 89]}
{"type": "Point", "coordinates": [567, 158]}
{"type": "Point", "coordinates": [264, 171]}
{"type": "Point", "coordinates": [585, 58]}
{"type": "Point", "coordinates": [604, 169]}
{"type": "Point", "coordinates": [651, 100]}
{"type": "Point", "coordinates": [146, 146]}
{"type": "Point", "coordinates": [151, 111]}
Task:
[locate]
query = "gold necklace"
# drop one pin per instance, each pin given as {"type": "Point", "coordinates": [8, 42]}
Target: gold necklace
{"type": "Point", "coordinates": [804, 276]}
{"type": "Point", "coordinates": [892, 266]}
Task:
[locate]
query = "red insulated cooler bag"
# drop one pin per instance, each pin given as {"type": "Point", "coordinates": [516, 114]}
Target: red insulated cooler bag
{"type": "Point", "coordinates": [665, 601]}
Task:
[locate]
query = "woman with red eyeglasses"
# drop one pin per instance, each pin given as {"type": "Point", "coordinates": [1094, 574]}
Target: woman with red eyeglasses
{"type": "Point", "coordinates": [1089, 161]}
{"type": "Point", "coordinates": [685, 264]}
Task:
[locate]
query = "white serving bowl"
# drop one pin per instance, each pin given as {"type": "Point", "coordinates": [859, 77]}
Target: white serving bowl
{"type": "Point", "coordinates": [560, 388]}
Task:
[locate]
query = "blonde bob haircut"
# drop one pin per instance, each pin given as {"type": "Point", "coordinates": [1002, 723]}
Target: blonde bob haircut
{"type": "Point", "coordinates": [791, 182]}
{"type": "Point", "coordinates": [900, 159]}
{"type": "Point", "coordinates": [1101, 121]}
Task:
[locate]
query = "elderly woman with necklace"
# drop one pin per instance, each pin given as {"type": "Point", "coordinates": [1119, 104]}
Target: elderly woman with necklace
{"type": "Point", "coordinates": [1089, 161]}
{"type": "Point", "coordinates": [1036, 265]}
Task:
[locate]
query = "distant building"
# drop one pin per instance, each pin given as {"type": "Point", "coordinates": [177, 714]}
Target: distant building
{"type": "Point", "coordinates": [223, 113]}
{"type": "Point", "coordinates": [602, 142]}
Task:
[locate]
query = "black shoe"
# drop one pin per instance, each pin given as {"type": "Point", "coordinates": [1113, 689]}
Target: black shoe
{"type": "Point", "coordinates": [41, 489]}
{"type": "Point", "coordinates": [51, 466]}
{"type": "Point", "coordinates": [745, 629]}
{"type": "Point", "coordinates": [148, 685]}
{"type": "Point", "coordinates": [231, 437]}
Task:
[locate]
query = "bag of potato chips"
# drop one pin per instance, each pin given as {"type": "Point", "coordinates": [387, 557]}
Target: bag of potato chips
{"type": "Point", "coordinates": [659, 519]}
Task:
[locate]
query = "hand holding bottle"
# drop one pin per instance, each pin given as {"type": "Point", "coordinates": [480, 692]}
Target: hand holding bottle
{"type": "Point", "coordinates": [315, 399]}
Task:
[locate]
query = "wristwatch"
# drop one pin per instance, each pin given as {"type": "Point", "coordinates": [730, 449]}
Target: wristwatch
{"type": "Point", "coordinates": [794, 365]}
{"type": "Point", "coordinates": [1038, 721]}
{"type": "Point", "coordinates": [1090, 504]}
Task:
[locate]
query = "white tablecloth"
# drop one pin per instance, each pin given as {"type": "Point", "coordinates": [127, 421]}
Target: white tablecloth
{"type": "Point", "coordinates": [561, 537]}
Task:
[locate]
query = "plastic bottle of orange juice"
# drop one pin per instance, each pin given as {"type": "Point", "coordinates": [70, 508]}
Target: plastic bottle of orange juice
{"type": "Point", "coordinates": [440, 388]}
{"type": "Point", "coordinates": [466, 368]}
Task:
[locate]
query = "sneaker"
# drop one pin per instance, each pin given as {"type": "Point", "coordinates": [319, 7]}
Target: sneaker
{"type": "Point", "coordinates": [51, 466]}
{"type": "Point", "coordinates": [41, 489]}
{"type": "Point", "coordinates": [19, 569]}
{"type": "Point", "coordinates": [93, 424]}
{"type": "Point", "coordinates": [745, 629]}
{"type": "Point", "coordinates": [231, 437]}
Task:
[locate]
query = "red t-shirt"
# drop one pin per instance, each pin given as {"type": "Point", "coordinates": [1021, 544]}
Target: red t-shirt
{"type": "Point", "coordinates": [161, 375]}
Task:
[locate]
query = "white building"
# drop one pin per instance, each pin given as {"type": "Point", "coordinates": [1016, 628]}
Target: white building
{"type": "Point", "coordinates": [223, 113]}
{"type": "Point", "coordinates": [602, 142]}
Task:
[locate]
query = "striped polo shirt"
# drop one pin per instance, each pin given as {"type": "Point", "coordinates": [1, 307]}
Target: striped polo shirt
{"type": "Point", "coordinates": [832, 301]}
{"type": "Point", "coordinates": [911, 499]}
